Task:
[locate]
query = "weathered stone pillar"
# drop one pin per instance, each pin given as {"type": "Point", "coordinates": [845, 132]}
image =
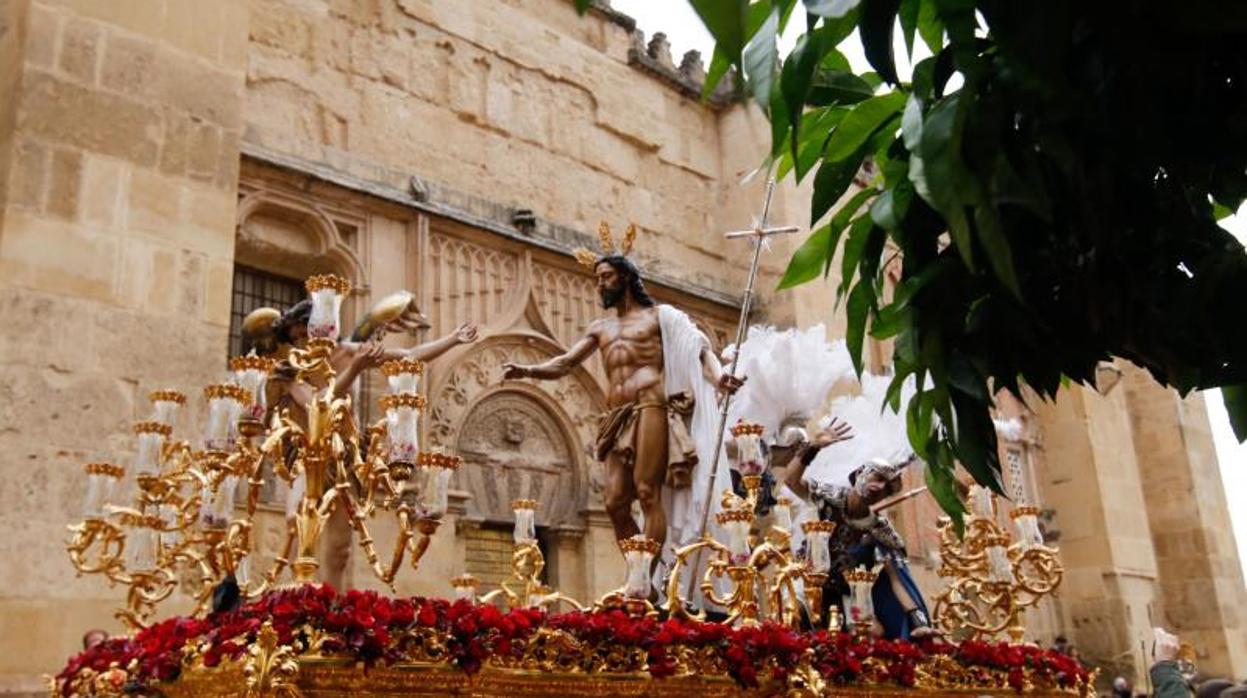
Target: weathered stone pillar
{"type": "Point", "coordinates": [604, 567]}
{"type": "Point", "coordinates": [1201, 581]}
{"type": "Point", "coordinates": [566, 560]}
{"type": "Point", "coordinates": [119, 132]}
{"type": "Point", "coordinates": [1091, 477]}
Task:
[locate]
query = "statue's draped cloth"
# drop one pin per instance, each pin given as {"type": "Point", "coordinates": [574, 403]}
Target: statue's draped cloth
{"type": "Point", "coordinates": [682, 344]}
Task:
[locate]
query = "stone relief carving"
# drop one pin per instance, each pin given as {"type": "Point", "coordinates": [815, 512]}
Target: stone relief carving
{"type": "Point", "coordinates": [468, 281]}
{"type": "Point", "coordinates": [554, 423]}
{"type": "Point", "coordinates": [513, 448]}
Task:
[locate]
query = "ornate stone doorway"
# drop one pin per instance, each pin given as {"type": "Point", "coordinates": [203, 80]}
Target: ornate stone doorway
{"type": "Point", "coordinates": [515, 447]}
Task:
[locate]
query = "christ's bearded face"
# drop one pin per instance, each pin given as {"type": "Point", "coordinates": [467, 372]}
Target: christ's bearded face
{"type": "Point", "coordinates": [611, 287]}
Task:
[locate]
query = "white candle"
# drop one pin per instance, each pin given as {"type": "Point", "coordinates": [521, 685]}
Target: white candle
{"type": "Point", "coordinates": [981, 498]}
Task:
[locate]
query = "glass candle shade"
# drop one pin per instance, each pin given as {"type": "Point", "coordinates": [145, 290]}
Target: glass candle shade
{"type": "Point", "coordinates": [981, 501]}
{"type": "Point", "coordinates": [1026, 521]}
{"type": "Point", "coordinates": [226, 402]}
{"type": "Point", "coordinates": [736, 523]}
{"type": "Point", "coordinates": [402, 426]}
{"type": "Point", "coordinates": [817, 536]}
{"type": "Point", "coordinates": [861, 605]}
{"type": "Point", "coordinates": [102, 479]}
{"type": "Point", "coordinates": [151, 442]}
{"type": "Point", "coordinates": [783, 514]}
{"type": "Point", "coordinates": [433, 477]}
{"type": "Point", "coordinates": [165, 404]}
{"type": "Point", "coordinates": [999, 569]}
{"type": "Point", "coordinates": [218, 506]}
{"type": "Point", "coordinates": [525, 520]}
{"type": "Point", "coordinates": [169, 515]}
{"type": "Point", "coordinates": [142, 542]}
{"type": "Point", "coordinates": [251, 373]}
{"type": "Point", "coordinates": [747, 438]}
{"type": "Point", "coordinates": [403, 375]}
{"type": "Point", "coordinates": [638, 552]}
{"type": "Point", "coordinates": [327, 292]}
{"type": "Point", "coordinates": [465, 586]}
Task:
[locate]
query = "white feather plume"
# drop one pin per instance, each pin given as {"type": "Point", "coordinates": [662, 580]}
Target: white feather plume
{"type": "Point", "coordinates": [878, 432]}
{"type": "Point", "coordinates": [788, 372]}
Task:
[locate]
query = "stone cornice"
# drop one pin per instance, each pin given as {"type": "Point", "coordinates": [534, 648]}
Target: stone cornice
{"type": "Point", "coordinates": [491, 216]}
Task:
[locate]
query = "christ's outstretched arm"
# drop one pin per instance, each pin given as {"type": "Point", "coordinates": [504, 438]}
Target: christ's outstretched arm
{"type": "Point", "coordinates": [557, 367]}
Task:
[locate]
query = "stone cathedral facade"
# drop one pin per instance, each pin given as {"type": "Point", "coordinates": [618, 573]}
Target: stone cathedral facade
{"type": "Point", "coordinates": [168, 165]}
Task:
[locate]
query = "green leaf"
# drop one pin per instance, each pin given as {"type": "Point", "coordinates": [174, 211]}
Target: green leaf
{"type": "Point", "coordinates": [838, 87]}
{"type": "Point", "coordinates": [892, 398]}
{"type": "Point", "coordinates": [861, 298]}
{"type": "Point", "coordinates": [942, 484]}
{"type": "Point", "coordinates": [1235, 398]}
{"type": "Point", "coordinates": [830, 183]}
{"type": "Point", "coordinates": [930, 27]}
{"type": "Point", "coordinates": [1221, 212]}
{"type": "Point", "coordinates": [808, 260]}
{"type": "Point", "coordinates": [726, 20]}
{"type": "Point", "coordinates": [843, 217]}
{"type": "Point", "coordinates": [939, 175]}
{"type": "Point", "coordinates": [582, 6]}
{"type": "Point", "coordinates": [911, 124]}
{"type": "Point", "coordinates": [854, 245]}
{"type": "Point", "coordinates": [875, 28]}
{"type": "Point", "coordinates": [908, 14]}
{"type": "Point", "coordinates": [830, 8]}
{"type": "Point", "coordinates": [999, 254]}
{"type": "Point", "coordinates": [861, 123]}
{"type": "Point", "coordinates": [719, 63]}
{"type": "Point", "coordinates": [889, 209]}
{"type": "Point", "coordinates": [780, 126]}
{"type": "Point", "coordinates": [761, 57]}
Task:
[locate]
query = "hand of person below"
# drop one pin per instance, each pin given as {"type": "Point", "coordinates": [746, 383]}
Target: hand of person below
{"type": "Point", "coordinates": [466, 333]}
{"type": "Point", "coordinates": [728, 383]}
{"type": "Point", "coordinates": [1167, 645]}
{"type": "Point", "coordinates": [512, 371]}
{"type": "Point", "coordinates": [835, 432]}
{"type": "Point", "coordinates": [369, 356]}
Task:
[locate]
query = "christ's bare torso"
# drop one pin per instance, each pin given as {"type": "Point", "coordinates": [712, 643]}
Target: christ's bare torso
{"type": "Point", "coordinates": [631, 346]}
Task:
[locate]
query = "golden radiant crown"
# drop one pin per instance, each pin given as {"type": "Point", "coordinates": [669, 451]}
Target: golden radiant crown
{"type": "Point", "coordinates": [589, 258]}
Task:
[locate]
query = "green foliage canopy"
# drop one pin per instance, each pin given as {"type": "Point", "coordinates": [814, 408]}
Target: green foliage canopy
{"type": "Point", "coordinates": [1058, 209]}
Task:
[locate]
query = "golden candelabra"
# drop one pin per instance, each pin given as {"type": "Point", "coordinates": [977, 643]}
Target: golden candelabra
{"type": "Point", "coordinates": [992, 578]}
{"type": "Point", "coordinates": [181, 516]}
{"type": "Point", "coordinates": [761, 580]}
{"type": "Point", "coordinates": [524, 588]}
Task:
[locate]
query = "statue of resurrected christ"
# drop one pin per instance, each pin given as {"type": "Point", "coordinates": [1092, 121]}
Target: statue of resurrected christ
{"type": "Point", "coordinates": [660, 369]}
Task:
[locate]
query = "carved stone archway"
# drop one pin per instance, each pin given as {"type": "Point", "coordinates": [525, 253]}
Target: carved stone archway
{"type": "Point", "coordinates": [470, 396]}
{"type": "Point", "coordinates": [515, 445]}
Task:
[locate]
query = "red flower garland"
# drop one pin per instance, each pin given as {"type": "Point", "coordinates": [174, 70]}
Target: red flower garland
{"type": "Point", "coordinates": [364, 625]}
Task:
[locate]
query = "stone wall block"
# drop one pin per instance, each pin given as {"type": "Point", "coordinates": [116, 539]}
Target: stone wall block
{"type": "Point", "coordinates": [65, 184]}
{"type": "Point", "coordinates": [130, 66]}
{"type": "Point", "coordinates": [145, 17]}
{"type": "Point", "coordinates": [54, 110]}
{"type": "Point", "coordinates": [43, 36]}
{"type": "Point", "coordinates": [105, 182]}
{"type": "Point", "coordinates": [58, 257]}
{"type": "Point", "coordinates": [176, 142]}
{"type": "Point", "coordinates": [28, 178]}
{"type": "Point", "coordinates": [195, 26]}
{"type": "Point", "coordinates": [203, 151]}
{"type": "Point", "coordinates": [80, 50]}
{"type": "Point", "coordinates": [280, 27]}
{"type": "Point", "coordinates": [155, 203]}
